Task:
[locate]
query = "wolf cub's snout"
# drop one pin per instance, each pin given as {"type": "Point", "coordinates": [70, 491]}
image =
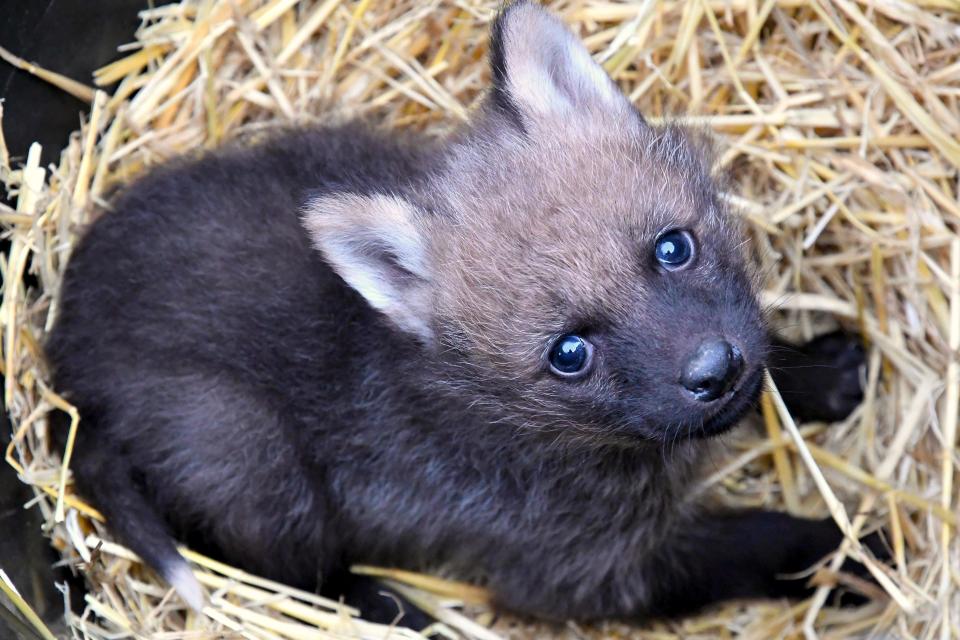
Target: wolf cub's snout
{"type": "Point", "coordinates": [495, 356]}
{"type": "Point", "coordinates": [713, 369]}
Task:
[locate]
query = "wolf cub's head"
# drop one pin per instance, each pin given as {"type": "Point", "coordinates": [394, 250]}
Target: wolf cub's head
{"type": "Point", "coordinates": [574, 265]}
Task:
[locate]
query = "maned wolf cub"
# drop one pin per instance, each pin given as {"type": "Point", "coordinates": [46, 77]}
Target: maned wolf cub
{"type": "Point", "coordinates": [499, 356]}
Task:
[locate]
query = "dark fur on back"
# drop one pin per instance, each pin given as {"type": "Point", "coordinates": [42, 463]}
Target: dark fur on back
{"type": "Point", "coordinates": [197, 319]}
{"type": "Point", "coordinates": [328, 349]}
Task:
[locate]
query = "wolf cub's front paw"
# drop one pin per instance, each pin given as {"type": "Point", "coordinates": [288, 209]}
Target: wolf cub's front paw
{"type": "Point", "coordinates": [808, 544]}
{"type": "Point", "coordinates": [822, 379]}
{"type": "Point", "coordinates": [877, 545]}
{"type": "Point", "coordinates": [841, 360]}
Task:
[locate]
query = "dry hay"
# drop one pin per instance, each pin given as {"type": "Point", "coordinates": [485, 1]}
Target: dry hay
{"type": "Point", "coordinates": [839, 121]}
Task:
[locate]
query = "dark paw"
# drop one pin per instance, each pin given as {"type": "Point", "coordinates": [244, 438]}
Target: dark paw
{"type": "Point", "coordinates": [853, 585]}
{"type": "Point", "coordinates": [378, 603]}
{"type": "Point", "coordinates": [856, 585]}
{"type": "Point", "coordinates": [820, 380]}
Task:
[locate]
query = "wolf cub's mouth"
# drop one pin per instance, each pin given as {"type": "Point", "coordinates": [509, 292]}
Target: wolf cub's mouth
{"type": "Point", "coordinates": [736, 403]}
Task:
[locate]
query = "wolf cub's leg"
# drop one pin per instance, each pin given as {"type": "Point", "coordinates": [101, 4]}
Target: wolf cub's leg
{"type": "Point", "coordinates": [819, 380]}
{"type": "Point", "coordinates": [745, 554]}
{"type": "Point", "coordinates": [708, 559]}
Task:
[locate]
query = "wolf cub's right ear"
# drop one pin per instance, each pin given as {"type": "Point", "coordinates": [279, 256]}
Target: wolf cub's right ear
{"type": "Point", "coordinates": [377, 245]}
{"type": "Point", "coordinates": [541, 69]}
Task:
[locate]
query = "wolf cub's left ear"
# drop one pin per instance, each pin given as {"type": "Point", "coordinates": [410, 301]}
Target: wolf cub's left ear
{"type": "Point", "coordinates": [541, 68]}
{"type": "Point", "coordinates": [376, 244]}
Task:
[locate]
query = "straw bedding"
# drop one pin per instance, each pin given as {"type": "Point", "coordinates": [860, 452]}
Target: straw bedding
{"type": "Point", "coordinates": [839, 122]}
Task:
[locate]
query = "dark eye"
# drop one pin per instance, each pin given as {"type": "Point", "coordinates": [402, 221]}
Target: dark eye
{"type": "Point", "coordinates": [570, 355]}
{"type": "Point", "coordinates": [674, 249]}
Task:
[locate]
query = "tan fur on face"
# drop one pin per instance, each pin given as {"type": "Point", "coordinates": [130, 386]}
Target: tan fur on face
{"type": "Point", "coordinates": [551, 230]}
{"type": "Point", "coordinates": [540, 219]}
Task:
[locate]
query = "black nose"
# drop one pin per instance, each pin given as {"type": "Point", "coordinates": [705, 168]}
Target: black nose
{"type": "Point", "coordinates": [712, 369]}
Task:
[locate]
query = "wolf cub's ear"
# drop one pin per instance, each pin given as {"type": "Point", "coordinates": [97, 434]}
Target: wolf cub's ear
{"type": "Point", "coordinates": [375, 243]}
{"type": "Point", "coordinates": [540, 68]}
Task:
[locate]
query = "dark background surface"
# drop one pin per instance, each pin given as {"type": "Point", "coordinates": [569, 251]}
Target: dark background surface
{"type": "Point", "coordinates": [71, 37]}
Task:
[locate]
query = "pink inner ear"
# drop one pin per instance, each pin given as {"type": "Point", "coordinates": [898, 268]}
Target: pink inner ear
{"type": "Point", "coordinates": [375, 244]}
{"type": "Point", "coordinates": [547, 69]}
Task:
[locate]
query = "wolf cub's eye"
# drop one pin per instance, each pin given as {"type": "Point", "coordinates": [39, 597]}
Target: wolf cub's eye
{"type": "Point", "coordinates": [570, 355]}
{"type": "Point", "coordinates": [674, 249]}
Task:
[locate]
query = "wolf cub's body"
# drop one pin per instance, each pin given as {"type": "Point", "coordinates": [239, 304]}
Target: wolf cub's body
{"type": "Point", "coordinates": [495, 356]}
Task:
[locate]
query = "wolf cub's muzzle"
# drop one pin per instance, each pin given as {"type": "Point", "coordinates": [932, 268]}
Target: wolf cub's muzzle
{"type": "Point", "coordinates": [712, 370]}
